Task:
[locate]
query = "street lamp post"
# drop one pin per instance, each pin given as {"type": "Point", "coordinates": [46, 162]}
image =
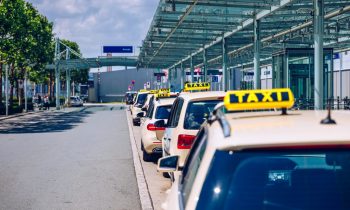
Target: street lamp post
{"type": "Point", "coordinates": [6, 89]}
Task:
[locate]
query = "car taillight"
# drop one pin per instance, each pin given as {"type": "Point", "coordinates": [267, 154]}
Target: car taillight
{"type": "Point", "coordinates": [185, 141]}
{"type": "Point", "coordinates": [152, 127]}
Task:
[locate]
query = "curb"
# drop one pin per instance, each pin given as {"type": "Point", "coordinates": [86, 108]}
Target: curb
{"type": "Point", "coordinates": [145, 198]}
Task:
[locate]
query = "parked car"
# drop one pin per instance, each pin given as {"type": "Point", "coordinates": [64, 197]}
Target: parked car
{"type": "Point", "coordinates": [76, 101]}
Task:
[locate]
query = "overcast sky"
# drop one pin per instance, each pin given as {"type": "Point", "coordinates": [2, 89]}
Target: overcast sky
{"type": "Point", "coordinates": [94, 23]}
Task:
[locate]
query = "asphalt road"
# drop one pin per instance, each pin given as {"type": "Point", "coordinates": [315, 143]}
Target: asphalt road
{"type": "Point", "coordinates": [67, 160]}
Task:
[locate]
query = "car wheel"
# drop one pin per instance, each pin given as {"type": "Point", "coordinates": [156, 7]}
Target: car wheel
{"type": "Point", "coordinates": [146, 157]}
{"type": "Point", "coordinates": [166, 175]}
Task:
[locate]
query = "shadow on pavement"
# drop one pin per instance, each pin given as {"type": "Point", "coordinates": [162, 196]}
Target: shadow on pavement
{"type": "Point", "coordinates": [44, 123]}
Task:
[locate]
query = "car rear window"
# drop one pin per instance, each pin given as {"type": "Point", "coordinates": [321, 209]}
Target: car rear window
{"type": "Point", "coordinates": [303, 179]}
{"type": "Point", "coordinates": [141, 99]}
{"type": "Point", "coordinates": [163, 112]}
{"type": "Point", "coordinates": [197, 112]}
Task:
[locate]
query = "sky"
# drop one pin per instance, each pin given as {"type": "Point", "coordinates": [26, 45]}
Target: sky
{"type": "Point", "coordinates": [96, 23]}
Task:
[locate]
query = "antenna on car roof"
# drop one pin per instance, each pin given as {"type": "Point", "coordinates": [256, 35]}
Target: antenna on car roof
{"type": "Point", "coordinates": [328, 120]}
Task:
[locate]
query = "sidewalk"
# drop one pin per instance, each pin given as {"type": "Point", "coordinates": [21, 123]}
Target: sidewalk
{"type": "Point", "coordinates": [52, 109]}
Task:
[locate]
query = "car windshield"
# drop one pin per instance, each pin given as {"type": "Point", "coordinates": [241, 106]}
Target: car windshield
{"type": "Point", "coordinates": [163, 112]}
{"type": "Point", "coordinates": [129, 96]}
{"type": "Point", "coordinates": [141, 99]}
{"type": "Point", "coordinates": [197, 112]}
{"type": "Point", "coordinates": [291, 179]}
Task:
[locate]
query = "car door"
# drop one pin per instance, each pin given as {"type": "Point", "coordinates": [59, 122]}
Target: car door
{"type": "Point", "coordinates": [191, 167]}
{"type": "Point", "coordinates": [172, 123]}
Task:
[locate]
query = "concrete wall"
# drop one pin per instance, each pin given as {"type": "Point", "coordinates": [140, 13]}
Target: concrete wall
{"type": "Point", "coordinates": [114, 84]}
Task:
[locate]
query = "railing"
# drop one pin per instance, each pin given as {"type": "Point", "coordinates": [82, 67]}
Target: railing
{"type": "Point", "coordinates": [335, 103]}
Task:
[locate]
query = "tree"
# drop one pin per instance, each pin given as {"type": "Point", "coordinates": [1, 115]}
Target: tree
{"type": "Point", "coordinates": [25, 40]}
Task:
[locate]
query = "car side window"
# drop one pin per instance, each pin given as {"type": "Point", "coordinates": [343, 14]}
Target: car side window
{"type": "Point", "coordinates": [172, 111]}
{"type": "Point", "coordinates": [192, 164]}
{"type": "Point", "coordinates": [150, 109]}
{"type": "Point", "coordinates": [177, 113]}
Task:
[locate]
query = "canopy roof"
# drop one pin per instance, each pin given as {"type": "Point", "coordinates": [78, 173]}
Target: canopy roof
{"type": "Point", "coordinates": [86, 63]}
{"type": "Point", "coordinates": [182, 29]}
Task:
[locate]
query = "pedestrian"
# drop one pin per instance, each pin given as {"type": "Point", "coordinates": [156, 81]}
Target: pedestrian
{"type": "Point", "coordinates": [46, 103]}
{"type": "Point", "coordinates": [39, 99]}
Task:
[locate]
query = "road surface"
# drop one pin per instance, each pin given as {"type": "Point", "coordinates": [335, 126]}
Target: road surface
{"type": "Point", "coordinates": [67, 160]}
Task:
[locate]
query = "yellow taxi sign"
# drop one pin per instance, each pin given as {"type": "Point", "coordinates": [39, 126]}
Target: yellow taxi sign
{"type": "Point", "coordinates": [163, 95]}
{"type": "Point", "coordinates": [166, 90]}
{"type": "Point", "coordinates": [153, 91]}
{"type": "Point", "coordinates": [143, 90]}
{"type": "Point", "coordinates": [197, 86]}
{"type": "Point", "coordinates": [259, 99]}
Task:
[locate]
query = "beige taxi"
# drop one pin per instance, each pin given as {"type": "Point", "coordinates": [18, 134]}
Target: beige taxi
{"type": "Point", "coordinates": [159, 109]}
{"type": "Point", "coordinates": [265, 160]}
{"type": "Point", "coordinates": [136, 108]}
{"type": "Point", "coordinates": [188, 113]}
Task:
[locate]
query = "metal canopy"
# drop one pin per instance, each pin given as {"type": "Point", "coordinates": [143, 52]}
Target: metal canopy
{"type": "Point", "coordinates": [182, 29]}
{"type": "Point", "coordinates": [87, 63]}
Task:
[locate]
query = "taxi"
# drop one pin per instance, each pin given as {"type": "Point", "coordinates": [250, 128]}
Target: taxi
{"type": "Point", "coordinates": [265, 160]}
{"type": "Point", "coordinates": [159, 109]}
{"type": "Point", "coordinates": [136, 108]}
{"type": "Point", "coordinates": [188, 112]}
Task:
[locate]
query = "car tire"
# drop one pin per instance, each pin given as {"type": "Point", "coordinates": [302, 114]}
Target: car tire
{"type": "Point", "coordinates": [146, 157]}
{"type": "Point", "coordinates": [166, 175]}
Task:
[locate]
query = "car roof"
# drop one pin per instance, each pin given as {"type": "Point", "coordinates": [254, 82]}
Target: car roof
{"type": "Point", "coordinates": [187, 96]}
{"type": "Point", "coordinates": [271, 129]}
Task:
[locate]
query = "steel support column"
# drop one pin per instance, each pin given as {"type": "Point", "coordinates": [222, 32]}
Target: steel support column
{"type": "Point", "coordinates": [25, 92]}
{"type": "Point", "coordinates": [205, 67]}
{"type": "Point", "coordinates": [257, 45]}
{"type": "Point", "coordinates": [224, 80]}
{"type": "Point", "coordinates": [192, 69]}
{"type": "Point", "coordinates": [7, 89]}
{"type": "Point", "coordinates": [68, 77]}
{"type": "Point", "coordinates": [169, 78]}
{"type": "Point", "coordinates": [57, 73]}
{"type": "Point", "coordinates": [183, 76]}
{"type": "Point", "coordinates": [318, 39]}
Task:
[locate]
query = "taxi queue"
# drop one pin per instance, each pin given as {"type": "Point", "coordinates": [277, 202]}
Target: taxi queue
{"type": "Point", "coordinates": [245, 149]}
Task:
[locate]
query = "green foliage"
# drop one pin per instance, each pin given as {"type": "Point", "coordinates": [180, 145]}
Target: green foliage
{"type": "Point", "coordinates": [27, 44]}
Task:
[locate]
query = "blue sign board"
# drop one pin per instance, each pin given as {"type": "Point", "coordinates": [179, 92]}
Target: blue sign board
{"type": "Point", "coordinates": [117, 49]}
{"type": "Point", "coordinates": [214, 79]}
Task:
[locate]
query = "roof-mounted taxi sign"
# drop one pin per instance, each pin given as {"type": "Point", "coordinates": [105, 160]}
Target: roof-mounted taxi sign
{"type": "Point", "coordinates": [164, 90]}
{"type": "Point", "coordinates": [153, 91]}
{"type": "Point", "coordinates": [197, 86]}
{"type": "Point", "coordinates": [259, 99]}
{"type": "Point", "coordinates": [143, 90]}
{"type": "Point", "coordinates": [163, 95]}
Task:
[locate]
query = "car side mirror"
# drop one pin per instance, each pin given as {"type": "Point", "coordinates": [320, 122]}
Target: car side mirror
{"type": "Point", "coordinates": [144, 109]}
{"type": "Point", "coordinates": [141, 114]}
{"type": "Point", "coordinates": [168, 164]}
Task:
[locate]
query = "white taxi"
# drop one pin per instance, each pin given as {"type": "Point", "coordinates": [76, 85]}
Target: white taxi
{"type": "Point", "coordinates": [188, 113]}
{"type": "Point", "coordinates": [136, 108]}
{"type": "Point", "coordinates": [265, 160]}
{"type": "Point", "coordinates": [159, 109]}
